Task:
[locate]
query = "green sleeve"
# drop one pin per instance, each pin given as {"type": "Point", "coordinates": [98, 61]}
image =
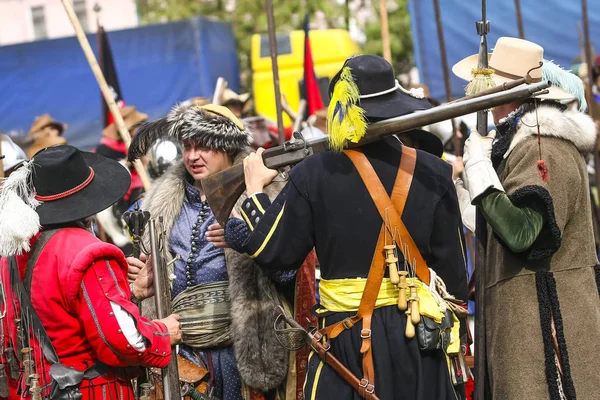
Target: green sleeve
{"type": "Point", "coordinates": [518, 227]}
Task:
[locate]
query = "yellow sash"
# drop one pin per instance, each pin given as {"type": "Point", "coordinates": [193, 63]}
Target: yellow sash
{"type": "Point", "coordinates": [343, 295]}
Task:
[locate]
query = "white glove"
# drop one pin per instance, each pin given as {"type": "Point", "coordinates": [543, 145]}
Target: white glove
{"type": "Point", "coordinates": [467, 210]}
{"type": "Point", "coordinates": [486, 142]}
{"type": "Point", "coordinates": [479, 172]}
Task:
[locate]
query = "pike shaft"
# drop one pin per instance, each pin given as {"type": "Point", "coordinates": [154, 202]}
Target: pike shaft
{"type": "Point", "coordinates": [275, 68]}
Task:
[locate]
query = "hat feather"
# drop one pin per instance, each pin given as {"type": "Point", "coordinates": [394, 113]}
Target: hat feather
{"type": "Point", "coordinates": [147, 134]}
{"type": "Point", "coordinates": [565, 80]}
{"type": "Point", "coordinates": [346, 120]}
{"type": "Point", "coordinates": [18, 220]}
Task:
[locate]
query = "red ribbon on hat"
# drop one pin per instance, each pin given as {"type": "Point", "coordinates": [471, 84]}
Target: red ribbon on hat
{"type": "Point", "coordinates": [69, 192]}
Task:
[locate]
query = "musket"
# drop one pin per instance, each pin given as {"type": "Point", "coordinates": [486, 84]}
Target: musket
{"type": "Point", "coordinates": [295, 337]}
{"type": "Point", "coordinates": [136, 223]}
{"type": "Point", "coordinates": [162, 296]}
{"type": "Point", "coordinates": [224, 188]}
{"type": "Point", "coordinates": [483, 28]}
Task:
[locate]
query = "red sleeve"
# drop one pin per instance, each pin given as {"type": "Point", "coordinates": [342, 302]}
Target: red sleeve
{"type": "Point", "coordinates": [102, 283]}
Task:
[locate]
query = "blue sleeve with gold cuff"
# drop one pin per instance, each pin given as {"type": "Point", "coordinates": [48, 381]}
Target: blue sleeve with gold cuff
{"type": "Point", "coordinates": [277, 236]}
{"type": "Point", "coordinates": [254, 208]}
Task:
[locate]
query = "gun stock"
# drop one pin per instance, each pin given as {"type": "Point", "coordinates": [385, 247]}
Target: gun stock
{"type": "Point", "coordinates": [224, 188]}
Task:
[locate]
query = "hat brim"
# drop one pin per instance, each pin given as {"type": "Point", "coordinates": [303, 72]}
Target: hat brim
{"type": "Point", "coordinates": [111, 182]}
{"type": "Point", "coordinates": [391, 105]}
{"type": "Point", "coordinates": [463, 68]}
{"type": "Point", "coordinates": [427, 141]}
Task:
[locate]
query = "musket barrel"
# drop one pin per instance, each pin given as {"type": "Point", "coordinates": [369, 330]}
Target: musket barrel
{"type": "Point", "coordinates": [161, 311]}
{"type": "Point", "coordinates": [448, 111]}
{"type": "Point", "coordinates": [162, 296]}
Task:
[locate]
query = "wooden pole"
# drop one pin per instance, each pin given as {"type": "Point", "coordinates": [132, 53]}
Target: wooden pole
{"type": "Point", "coordinates": [1, 161]}
{"type": "Point", "coordinates": [588, 54]}
{"type": "Point", "coordinates": [587, 50]}
{"type": "Point", "coordinates": [519, 19]}
{"type": "Point", "coordinates": [385, 31]}
{"type": "Point", "coordinates": [112, 106]}
{"type": "Point", "coordinates": [446, 70]}
{"type": "Point", "coordinates": [347, 14]}
{"type": "Point", "coordinates": [220, 87]}
{"type": "Point", "coordinates": [483, 28]}
{"type": "Point", "coordinates": [274, 66]}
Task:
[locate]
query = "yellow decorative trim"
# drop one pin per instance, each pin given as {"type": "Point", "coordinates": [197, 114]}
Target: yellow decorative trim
{"type": "Point", "coordinates": [316, 382]}
{"type": "Point", "coordinates": [258, 205]}
{"type": "Point", "coordinates": [264, 244]}
{"type": "Point", "coordinates": [482, 71]}
{"type": "Point", "coordinates": [310, 356]}
{"type": "Point", "coordinates": [462, 249]}
{"type": "Point", "coordinates": [247, 219]}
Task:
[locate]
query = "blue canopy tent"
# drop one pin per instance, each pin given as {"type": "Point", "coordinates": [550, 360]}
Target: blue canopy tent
{"type": "Point", "coordinates": [157, 66]}
{"type": "Point", "coordinates": [549, 23]}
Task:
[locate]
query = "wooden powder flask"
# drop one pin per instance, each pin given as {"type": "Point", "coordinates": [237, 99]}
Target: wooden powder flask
{"type": "Point", "coordinates": [145, 391]}
{"type": "Point", "coordinates": [402, 286]}
{"type": "Point", "coordinates": [410, 328]}
{"type": "Point", "coordinates": [19, 336]}
{"type": "Point", "coordinates": [27, 367]}
{"type": "Point", "coordinates": [35, 390]}
{"type": "Point", "coordinates": [12, 363]}
{"type": "Point", "coordinates": [415, 315]}
{"type": "Point", "coordinates": [3, 382]}
{"type": "Point", "coordinates": [392, 262]}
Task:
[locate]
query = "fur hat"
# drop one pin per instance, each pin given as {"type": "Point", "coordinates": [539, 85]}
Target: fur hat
{"type": "Point", "coordinates": [212, 126]}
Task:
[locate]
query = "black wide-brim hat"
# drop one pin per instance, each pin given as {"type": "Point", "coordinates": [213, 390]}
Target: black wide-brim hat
{"type": "Point", "coordinates": [381, 96]}
{"type": "Point", "coordinates": [72, 185]}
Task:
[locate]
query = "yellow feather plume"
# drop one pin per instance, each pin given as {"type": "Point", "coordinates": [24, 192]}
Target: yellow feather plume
{"type": "Point", "coordinates": [345, 118]}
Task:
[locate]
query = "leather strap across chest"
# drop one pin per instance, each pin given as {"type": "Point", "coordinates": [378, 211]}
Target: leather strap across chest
{"type": "Point", "coordinates": [390, 210]}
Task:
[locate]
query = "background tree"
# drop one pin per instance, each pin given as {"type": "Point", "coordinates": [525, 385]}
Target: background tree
{"type": "Point", "coordinates": [400, 34]}
{"type": "Point", "coordinates": [249, 17]}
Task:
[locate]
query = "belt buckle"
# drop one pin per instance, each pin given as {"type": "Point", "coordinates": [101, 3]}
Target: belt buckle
{"type": "Point", "coordinates": [347, 323]}
{"type": "Point", "coordinates": [369, 388]}
{"type": "Point", "coordinates": [366, 335]}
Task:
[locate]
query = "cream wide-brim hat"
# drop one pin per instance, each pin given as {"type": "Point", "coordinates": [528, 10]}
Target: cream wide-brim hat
{"type": "Point", "coordinates": [511, 59]}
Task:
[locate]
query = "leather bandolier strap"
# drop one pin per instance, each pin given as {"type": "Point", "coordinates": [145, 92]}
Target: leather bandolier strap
{"type": "Point", "coordinates": [391, 208]}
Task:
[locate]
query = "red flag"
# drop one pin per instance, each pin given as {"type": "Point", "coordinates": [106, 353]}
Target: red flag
{"type": "Point", "coordinates": [107, 65]}
{"type": "Point", "coordinates": [312, 94]}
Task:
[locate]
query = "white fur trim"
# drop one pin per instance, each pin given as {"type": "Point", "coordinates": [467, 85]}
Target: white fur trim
{"type": "Point", "coordinates": [573, 126]}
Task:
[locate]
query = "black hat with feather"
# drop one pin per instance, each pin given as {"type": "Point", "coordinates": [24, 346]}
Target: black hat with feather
{"type": "Point", "coordinates": [211, 126]}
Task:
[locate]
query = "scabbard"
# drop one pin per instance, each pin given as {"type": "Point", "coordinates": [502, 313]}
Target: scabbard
{"type": "Point", "coordinates": [344, 372]}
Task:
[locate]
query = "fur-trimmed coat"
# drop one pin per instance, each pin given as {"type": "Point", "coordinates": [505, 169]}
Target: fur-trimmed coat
{"type": "Point", "coordinates": [261, 360]}
{"type": "Point", "coordinates": [553, 285]}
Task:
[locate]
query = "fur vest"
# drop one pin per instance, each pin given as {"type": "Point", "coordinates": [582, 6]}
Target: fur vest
{"type": "Point", "coordinates": [262, 362]}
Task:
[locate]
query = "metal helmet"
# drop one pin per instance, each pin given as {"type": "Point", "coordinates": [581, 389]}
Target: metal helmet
{"type": "Point", "coordinates": [13, 154]}
{"type": "Point", "coordinates": [164, 153]}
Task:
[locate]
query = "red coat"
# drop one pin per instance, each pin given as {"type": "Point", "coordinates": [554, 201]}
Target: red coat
{"type": "Point", "coordinates": [74, 280]}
